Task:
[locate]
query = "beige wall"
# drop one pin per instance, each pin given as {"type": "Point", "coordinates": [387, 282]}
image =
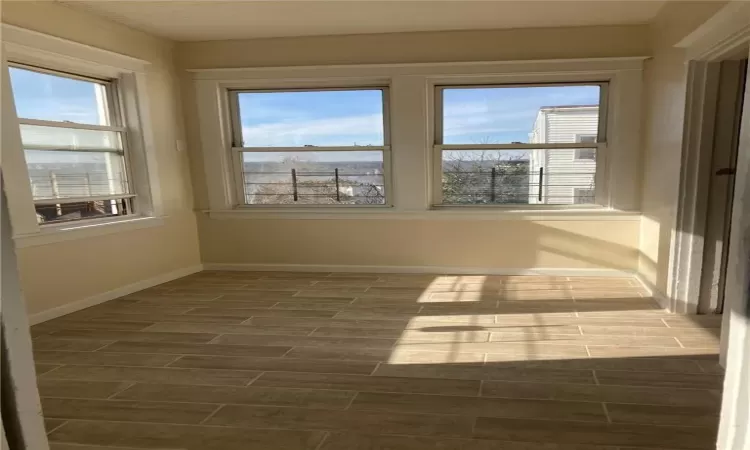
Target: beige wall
{"type": "Point", "coordinates": [56, 274]}
{"type": "Point", "coordinates": [664, 106]}
{"type": "Point", "coordinates": [64, 272]}
{"type": "Point", "coordinates": [508, 244]}
{"type": "Point", "coordinates": [449, 46]}
{"type": "Point", "coordinates": [511, 244]}
{"type": "Point", "coordinates": [446, 46]}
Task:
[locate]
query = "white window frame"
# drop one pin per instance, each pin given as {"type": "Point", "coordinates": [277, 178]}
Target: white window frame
{"type": "Point", "coordinates": [576, 194]}
{"type": "Point", "coordinates": [600, 145]}
{"type": "Point", "coordinates": [577, 156]}
{"type": "Point", "coordinates": [412, 114]}
{"type": "Point", "coordinates": [238, 150]}
{"type": "Point", "coordinates": [38, 50]}
{"type": "Point", "coordinates": [116, 125]}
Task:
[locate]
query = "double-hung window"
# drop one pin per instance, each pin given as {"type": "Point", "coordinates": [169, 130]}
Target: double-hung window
{"type": "Point", "coordinates": [586, 153]}
{"type": "Point", "coordinates": [74, 144]}
{"type": "Point", "coordinates": [310, 147]}
{"type": "Point", "coordinates": [519, 144]}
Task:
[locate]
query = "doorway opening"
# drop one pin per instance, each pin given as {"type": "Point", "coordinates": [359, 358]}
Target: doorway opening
{"type": "Point", "coordinates": [729, 76]}
{"type": "Point", "coordinates": [713, 115]}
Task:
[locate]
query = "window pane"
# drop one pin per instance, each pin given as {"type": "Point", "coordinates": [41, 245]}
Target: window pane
{"type": "Point", "coordinates": [476, 177]}
{"type": "Point", "coordinates": [59, 174]}
{"type": "Point", "coordinates": [507, 115]}
{"type": "Point", "coordinates": [313, 178]}
{"type": "Point", "coordinates": [69, 212]}
{"type": "Point", "coordinates": [586, 153]}
{"type": "Point", "coordinates": [69, 138]}
{"type": "Point", "coordinates": [312, 118]}
{"type": "Point", "coordinates": [583, 196]}
{"type": "Point", "coordinates": [43, 96]}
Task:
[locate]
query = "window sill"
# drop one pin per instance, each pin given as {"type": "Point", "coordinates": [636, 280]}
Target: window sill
{"type": "Point", "coordinates": [69, 232]}
{"type": "Point", "coordinates": [432, 214]}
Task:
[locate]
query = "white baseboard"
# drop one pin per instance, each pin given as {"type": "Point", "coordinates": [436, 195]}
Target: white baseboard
{"type": "Point", "coordinates": [111, 295]}
{"type": "Point", "coordinates": [418, 269]}
{"type": "Point", "coordinates": [655, 293]}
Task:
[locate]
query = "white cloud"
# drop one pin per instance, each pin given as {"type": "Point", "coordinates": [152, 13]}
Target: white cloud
{"type": "Point", "coordinates": [74, 110]}
{"type": "Point", "coordinates": [462, 119]}
{"type": "Point", "coordinates": [479, 118]}
{"type": "Point", "coordinates": [515, 114]}
{"type": "Point", "coordinates": [362, 129]}
{"type": "Point", "coordinates": [472, 119]}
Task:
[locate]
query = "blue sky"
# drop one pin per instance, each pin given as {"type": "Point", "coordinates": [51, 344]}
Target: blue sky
{"type": "Point", "coordinates": [504, 115]}
{"type": "Point", "coordinates": [333, 118]}
{"type": "Point", "coordinates": [325, 118]}
{"type": "Point", "coordinates": [322, 118]}
{"type": "Point", "coordinates": [48, 97]}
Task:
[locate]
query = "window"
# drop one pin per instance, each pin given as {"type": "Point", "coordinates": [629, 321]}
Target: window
{"type": "Point", "coordinates": [518, 144]}
{"type": "Point", "coordinates": [311, 147]}
{"type": "Point", "coordinates": [74, 145]}
{"type": "Point", "coordinates": [586, 153]}
{"type": "Point", "coordinates": [583, 196]}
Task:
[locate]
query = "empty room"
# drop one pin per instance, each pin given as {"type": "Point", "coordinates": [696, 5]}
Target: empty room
{"type": "Point", "coordinates": [375, 225]}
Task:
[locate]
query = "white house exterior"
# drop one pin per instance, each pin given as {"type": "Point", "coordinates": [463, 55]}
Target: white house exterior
{"type": "Point", "coordinates": [568, 173]}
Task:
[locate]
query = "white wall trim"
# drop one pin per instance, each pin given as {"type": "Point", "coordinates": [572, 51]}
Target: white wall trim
{"type": "Point", "coordinates": [23, 41]}
{"type": "Point", "coordinates": [84, 230]}
{"type": "Point", "coordinates": [437, 214]}
{"type": "Point", "coordinates": [625, 62]}
{"type": "Point", "coordinates": [112, 294]}
{"type": "Point", "coordinates": [725, 31]}
{"type": "Point", "coordinates": [23, 417]}
{"type": "Point", "coordinates": [417, 269]}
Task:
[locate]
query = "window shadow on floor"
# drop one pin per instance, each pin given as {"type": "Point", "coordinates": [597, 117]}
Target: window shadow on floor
{"type": "Point", "coordinates": [390, 361]}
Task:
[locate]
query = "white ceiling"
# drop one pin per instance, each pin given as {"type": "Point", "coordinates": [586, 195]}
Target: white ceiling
{"type": "Point", "coordinates": [240, 19]}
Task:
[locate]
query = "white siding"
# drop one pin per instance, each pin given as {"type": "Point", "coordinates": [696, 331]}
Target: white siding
{"type": "Point", "coordinates": [563, 173]}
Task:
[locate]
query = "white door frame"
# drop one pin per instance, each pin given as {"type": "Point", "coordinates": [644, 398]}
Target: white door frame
{"type": "Point", "coordinates": [734, 431]}
{"type": "Point", "coordinates": [707, 91]}
{"type": "Point", "coordinates": [721, 187]}
{"type": "Point", "coordinates": [717, 38]}
{"type": "Point", "coordinates": [686, 256]}
{"type": "Point", "coordinates": [23, 426]}
{"type": "Point", "coordinates": [22, 421]}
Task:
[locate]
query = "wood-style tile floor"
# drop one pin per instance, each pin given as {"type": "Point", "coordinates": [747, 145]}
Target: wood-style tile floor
{"type": "Point", "coordinates": [319, 361]}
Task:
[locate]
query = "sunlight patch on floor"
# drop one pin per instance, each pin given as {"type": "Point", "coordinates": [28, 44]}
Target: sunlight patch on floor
{"type": "Point", "coordinates": [487, 338]}
{"type": "Point", "coordinates": [457, 288]}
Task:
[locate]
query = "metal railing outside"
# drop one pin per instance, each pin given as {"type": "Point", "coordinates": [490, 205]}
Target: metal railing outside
{"type": "Point", "coordinates": [503, 185]}
{"type": "Point", "coordinates": [337, 186]}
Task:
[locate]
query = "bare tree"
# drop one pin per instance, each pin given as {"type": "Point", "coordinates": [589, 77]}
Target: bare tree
{"type": "Point", "coordinates": [485, 178]}
{"type": "Point", "coordinates": [319, 191]}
